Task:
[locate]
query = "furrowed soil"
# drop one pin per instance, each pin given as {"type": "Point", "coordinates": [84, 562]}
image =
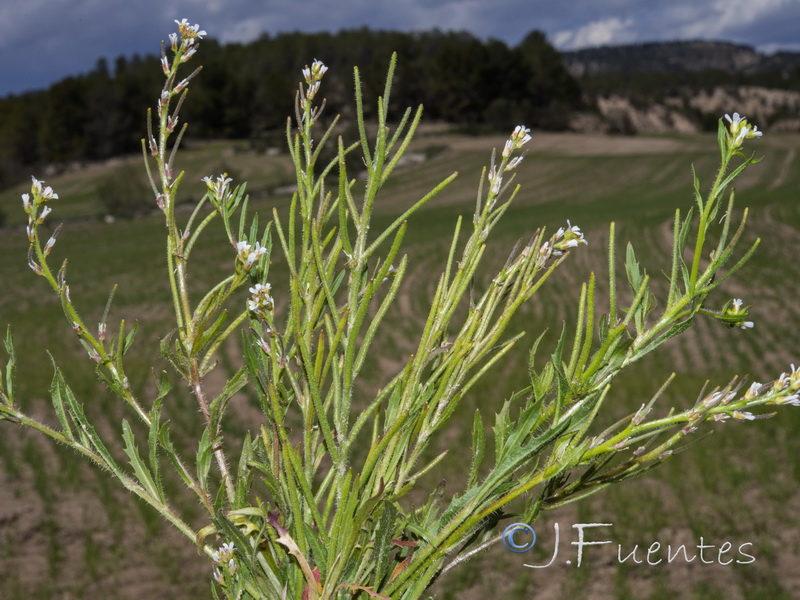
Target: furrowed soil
{"type": "Point", "coordinates": [67, 531]}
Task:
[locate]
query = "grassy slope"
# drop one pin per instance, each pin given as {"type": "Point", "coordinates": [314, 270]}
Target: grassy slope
{"type": "Point", "coordinates": [67, 529]}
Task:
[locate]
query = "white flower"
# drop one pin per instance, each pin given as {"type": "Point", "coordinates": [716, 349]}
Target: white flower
{"type": "Point", "coordinates": [219, 187]}
{"type": "Point", "coordinates": [318, 69]}
{"type": "Point", "coordinates": [254, 255]}
{"type": "Point", "coordinates": [312, 90]}
{"type": "Point", "coordinates": [752, 392]}
{"type": "Point", "coordinates": [513, 163]}
{"type": "Point", "coordinates": [189, 32]}
{"type": "Point", "coordinates": [574, 229]}
{"type": "Point", "coordinates": [743, 416]}
{"type": "Point", "coordinates": [261, 288]}
{"type": "Point", "coordinates": [218, 576]}
{"type": "Point", "coordinates": [735, 121]}
{"type": "Point", "coordinates": [737, 304]}
{"type": "Point", "coordinates": [248, 254]}
{"type": "Point", "coordinates": [496, 183]}
{"type": "Point", "coordinates": [315, 73]}
{"type": "Point", "coordinates": [545, 250]}
{"type": "Point", "coordinates": [40, 192]}
{"type": "Point", "coordinates": [740, 137]}
{"type": "Point", "coordinates": [49, 246]}
{"type": "Point", "coordinates": [224, 554]}
{"type": "Point", "coordinates": [261, 303]}
{"type": "Point", "coordinates": [747, 325]}
{"type": "Point", "coordinates": [740, 129]}
{"type": "Point", "coordinates": [793, 400]}
{"type": "Point", "coordinates": [26, 203]}
{"type": "Point", "coordinates": [519, 137]}
{"type": "Point", "coordinates": [713, 400]}
{"type": "Point", "coordinates": [794, 377]}
{"type": "Point", "coordinates": [188, 54]}
{"type": "Point", "coordinates": [781, 382]}
{"type": "Point", "coordinates": [572, 237]}
{"type": "Point", "coordinates": [179, 88]}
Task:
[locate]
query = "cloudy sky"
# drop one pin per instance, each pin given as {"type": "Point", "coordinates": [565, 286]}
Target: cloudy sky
{"type": "Point", "coordinates": [42, 41]}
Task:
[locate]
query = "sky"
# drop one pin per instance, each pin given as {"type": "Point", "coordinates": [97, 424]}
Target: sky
{"type": "Point", "coordinates": [42, 41]}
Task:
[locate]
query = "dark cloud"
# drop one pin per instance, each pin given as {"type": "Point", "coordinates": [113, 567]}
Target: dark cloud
{"type": "Point", "coordinates": [44, 40]}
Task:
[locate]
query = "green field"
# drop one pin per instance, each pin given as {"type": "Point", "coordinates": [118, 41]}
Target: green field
{"type": "Point", "coordinates": [68, 532]}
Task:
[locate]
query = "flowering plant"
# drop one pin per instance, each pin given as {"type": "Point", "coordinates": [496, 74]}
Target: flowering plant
{"type": "Point", "coordinates": [320, 509]}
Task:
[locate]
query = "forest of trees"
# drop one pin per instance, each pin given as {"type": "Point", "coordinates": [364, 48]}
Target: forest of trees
{"type": "Point", "coordinates": [246, 91]}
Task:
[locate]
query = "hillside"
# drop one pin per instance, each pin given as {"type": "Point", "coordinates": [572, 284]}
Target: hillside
{"type": "Point", "coordinates": [677, 56]}
{"type": "Point", "coordinates": [683, 86]}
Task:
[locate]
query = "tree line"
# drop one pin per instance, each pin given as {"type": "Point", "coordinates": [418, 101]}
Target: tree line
{"type": "Point", "coordinates": [246, 91]}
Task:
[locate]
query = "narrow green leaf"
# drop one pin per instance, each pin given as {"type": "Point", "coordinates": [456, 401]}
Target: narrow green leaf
{"type": "Point", "coordinates": [579, 330]}
{"type": "Point", "coordinates": [58, 405]}
{"type": "Point", "coordinates": [698, 196]}
{"type": "Point", "coordinates": [632, 268]}
{"type": "Point", "coordinates": [217, 406]}
{"type": "Point", "coordinates": [612, 275]}
{"type": "Point", "coordinates": [172, 455]}
{"type": "Point", "coordinates": [558, 353]}
{"type": "Point", "coordinates": [478, 444]}
{"type": "Point", "coordinates": [382, 536]}
{"type": "Point", "coordinates": [153, 443]}
{"type": "Point", "coordinates": [500, 432]}
{"type": "Point", "coordinates": [142, 472]}
{"type": "Point", "coordinates": [722, 139]}
{"type": "Point", "coordinates": [204, 460]}
{"type": "Point", "coordinates": [243, 472]}
{"type": "Point", "coordinates": [676, 329]}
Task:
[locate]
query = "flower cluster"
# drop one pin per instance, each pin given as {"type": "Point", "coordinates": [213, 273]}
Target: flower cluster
{"type": "Point", "coordinates": [224, 558]}
{"type": "Point", "coordinates": [219, 188]}
{"type": "Point", "coordinates": [260, 302]}
{"type": "Point", "coordinates": [313, 75]}
{"type": "Point", "coordinates": [519, 137]}
{"type": "Point", "coordinates": [31, 203]}
{"type": "Point", "coordinates": [562, 240]}
{"type": "Point", "coordinates": [248, 254]}
{"type": "Point", "coordinates": [790, 382]}
{"type": "Point", "coordinates": [740, 130]}
{"type": "Point", "coordinates": [571, 237]}
{"type": "Point", "coordinates": [183, 47]}
{"type": "Point", "coordinates": [735, 315]}
{"type": "Point", "coordinates": [785, 390]}
{"type": "Point", "coordinates": [188, 34]}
